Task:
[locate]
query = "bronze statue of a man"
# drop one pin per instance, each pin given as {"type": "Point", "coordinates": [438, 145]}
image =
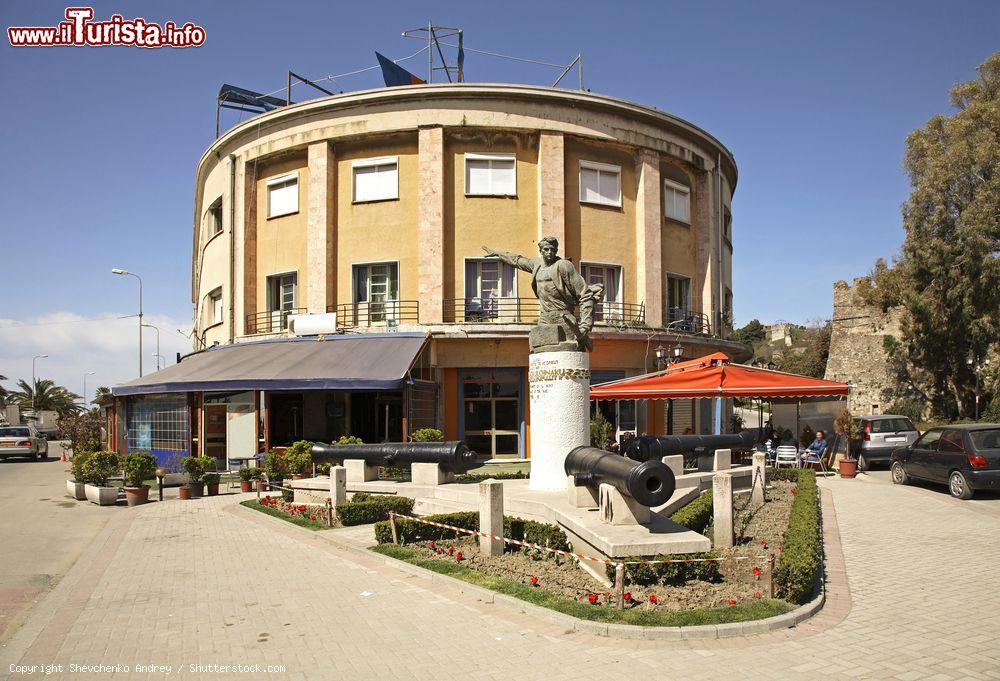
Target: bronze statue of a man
{"type": "Point", "coordinates": [560, 291]}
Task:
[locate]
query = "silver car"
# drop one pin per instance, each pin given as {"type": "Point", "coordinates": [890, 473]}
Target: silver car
{"type": "Point", "coordinates": [881, 435]}
{"type": "Point", "coordinates": [22, 441]}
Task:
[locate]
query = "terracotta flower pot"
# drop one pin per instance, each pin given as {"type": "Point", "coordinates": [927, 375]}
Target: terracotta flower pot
{"type": "Point", "coordinates": [246, 485]}
{"type": "Point", "coordinates": [184, 492]}
{"type": "Point", "coordinates": [848, 468]}
{"type": "Point", "coordinates": [261, 486]}
{"type": "Point", "coordinates": [137, 495]}
{"type": "Point", "coordinates": [213, 490]}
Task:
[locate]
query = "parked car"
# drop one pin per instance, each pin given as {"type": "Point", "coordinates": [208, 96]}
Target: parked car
{"type": "Point", "coordinates": [22, 441]}
{"type": "Point", "coordinates": [966, 457]}
{"type": "Point", "coordinates": [880, 436]}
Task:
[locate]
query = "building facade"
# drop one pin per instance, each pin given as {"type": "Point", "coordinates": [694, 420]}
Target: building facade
{"type": "Point", "coordinates": [373, 206]}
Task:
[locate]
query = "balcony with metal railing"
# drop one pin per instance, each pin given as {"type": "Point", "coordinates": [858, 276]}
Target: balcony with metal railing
{"type": "Point", "coordinates": [525, 311]}
{"type": "Point", "coordinates": [684, 320]}
{"type": "Point", "coordinates": [272, 321]}
{"type": "Point", "coordinates": [385, 314]}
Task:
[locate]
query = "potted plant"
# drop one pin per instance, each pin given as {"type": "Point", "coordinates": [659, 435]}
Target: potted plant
{"type": "Point", "coordinates": [298, 459]}
{"type": "Point", "coordinates": [257, 475]}
{"type": "Point", "coordinates": [274, 468]}
{"type": "Point", "coordinates": [212, 483]}
{"type": "Point", "coordinates": [75, 486]}
{"type": "Point", "coordinates": [136, 468]}
{"type": "Point", "coordinates": [98, 467]}
{"type": "Point", "coordinates": [196, 467]}
{"type": "Point", "coordinates": [247, 476]}
{"type": "Point", "coordinates": [845, 426]}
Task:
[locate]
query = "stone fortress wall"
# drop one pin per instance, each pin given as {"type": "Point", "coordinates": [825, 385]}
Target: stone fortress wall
{"type": "Point", "coordinates": [857, 353]}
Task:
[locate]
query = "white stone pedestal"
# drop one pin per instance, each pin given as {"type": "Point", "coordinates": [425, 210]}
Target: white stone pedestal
{"type": "Point", "coordinates": [618, 509]}
{"type": "Point", "coordinates": [359, 470]}
{"type": "Point", "coordinates": [559, 388]}
{"type": "Point", "coordinates": [429, 474]}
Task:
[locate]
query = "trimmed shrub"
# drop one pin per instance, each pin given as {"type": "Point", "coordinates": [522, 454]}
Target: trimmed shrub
{"type": "Point", "coordinates": [137, 467]}
{"type": "Point", "coordinates": [697, 515]}
{"type": "Point", "coordinates": [274, 466]}
{"type": "Point", "coordinates": [373, 509]}
{"type": "Point", "coordinates": [480, 477]}
{"type": "Point", "coordinates": [78, 464]}
{"type": "Point", "coordinates": [799, 564]}
{"type": "Point", "coordinates": [543, 534]}
{"type": "Point", "coordinates": [427, 435]}
{"type": "Point", "coordinates": [410, 531]}
{"type": "Point", "coordinates": [298, 457]}
{"type": "Point", "coordinates": [288, 495]}
{"type": "Point", "coordinates": [787, 474]}
{"type": "Point", "coordinates": [197, 466]}
{"type": "Point", "coordinates": [98, 467]}
{"type": "Point", "coordinates": [669, 574]}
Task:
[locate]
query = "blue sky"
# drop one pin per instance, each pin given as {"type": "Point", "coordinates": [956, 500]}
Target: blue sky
{"type": "Point", "coordinates": [814, 99]}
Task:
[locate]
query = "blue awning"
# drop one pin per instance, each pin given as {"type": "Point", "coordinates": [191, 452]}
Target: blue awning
{"type": "Point", "coordinates": [343, 362]}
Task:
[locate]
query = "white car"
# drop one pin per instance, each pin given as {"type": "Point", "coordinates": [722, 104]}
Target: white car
{"type": "Point", "coordinates": [22, 441]}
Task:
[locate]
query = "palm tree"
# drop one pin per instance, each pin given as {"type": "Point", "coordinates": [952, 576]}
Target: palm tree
{"type": "Point", "coordinates": [103, 396]}
{"type": "Point", "coordinates": [45, 396]}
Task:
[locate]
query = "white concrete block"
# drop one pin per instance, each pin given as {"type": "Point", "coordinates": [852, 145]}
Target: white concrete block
{"type": "Point", "coordinates": [758, 495]}
{"type": "Point", "coordinates": [580, 496]}
{"type": "Point", "coordinates": [359, 470]}
{"type": "Point", "coordinates": [675, 462]}
{"type": "Point", "coordinates": [491, 516]}
{"type": "Point", "coordinates": [338, 485]}
{"type": "Point", "coordinates": [722, 511]}
{"type": "Point", "coordinates": [559, 387]}
{"type": "Point", "coordinates": [618, 509]}
{"type": "Point", "coordinates": [430, 474]}
{"type": "Point", "coordinates": [723, 460]}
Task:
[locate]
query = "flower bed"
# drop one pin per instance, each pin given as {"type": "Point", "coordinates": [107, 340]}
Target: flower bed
{"type": "Point", "coordinates": [309, 516]}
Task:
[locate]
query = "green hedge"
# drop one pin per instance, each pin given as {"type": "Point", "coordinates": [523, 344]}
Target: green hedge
{"type": "Point", "coordinates": [697, 515]}
{"type": "Point", "coordinates": [411, 531]}
{"type": "Point", "coordinates": [801, 557]}
{"type": "Point", "coordinates": [372, 509]}
{"type": "Point", "coordinates": [669, 573]}
{"type": "Point", "coordinates": [787, 474]}
{"type": "Point", "coordinates": [500, 475]}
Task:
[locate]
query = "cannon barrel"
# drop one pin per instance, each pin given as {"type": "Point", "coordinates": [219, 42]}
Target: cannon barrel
{"type": "Point", "coordinates": [651, 483]}
{"type": "Point", "coordinates": [655, 447]}
{"type": "Point", "coordinates": [455, 457]}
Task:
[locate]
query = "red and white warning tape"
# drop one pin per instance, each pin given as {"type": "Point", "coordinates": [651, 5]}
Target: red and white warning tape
{"type": "Point", "coordinates": [579, 556]}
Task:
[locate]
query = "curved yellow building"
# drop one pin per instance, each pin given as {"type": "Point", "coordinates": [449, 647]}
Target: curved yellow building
{"type": "Point", "coordinates": [364, 213]}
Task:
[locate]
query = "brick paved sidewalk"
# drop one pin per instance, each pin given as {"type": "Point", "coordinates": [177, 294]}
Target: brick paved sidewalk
{"type": "Point", "coordinates": [181, 583]}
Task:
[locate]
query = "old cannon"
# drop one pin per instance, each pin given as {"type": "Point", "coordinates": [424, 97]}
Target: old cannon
{"type": "Point", "coordinates": [453, 457]}
{"type": "Point", "coordinates": [655, 447]}
{"type": "Point", "coordinates": [650, 483]}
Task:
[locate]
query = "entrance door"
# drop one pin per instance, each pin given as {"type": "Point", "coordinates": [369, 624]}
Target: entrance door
{"type": "Point", "coordinates": [241, 431]}
{"type": "Point", "coordinates": [491, 411]}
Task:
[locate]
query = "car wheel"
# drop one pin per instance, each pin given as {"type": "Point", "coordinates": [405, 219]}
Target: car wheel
{"type": "Point", "coordinates": [959, 486]}
{"type": "Point", "coordinates": [863, 464]}
{"type": "Point", "coordinates": [899, 475]}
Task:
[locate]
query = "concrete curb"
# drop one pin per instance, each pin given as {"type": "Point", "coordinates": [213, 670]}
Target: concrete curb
{"type": "Point", "coordinates": [610, 630]}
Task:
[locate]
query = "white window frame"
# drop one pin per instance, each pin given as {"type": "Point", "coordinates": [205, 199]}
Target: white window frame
{"type": "Point", "coordinates": [213, 228]}
{"type": "Point", "coordinates": [671, 185]}
{"type": "Point", "coordinates": [374, 163]}
{"type": "Point", "coordinates": [606, 309]}
{"type": "Point", "coordinates": [602, 168]}
{"type": "Point", "coordinates": [268, 279]}
{"type": "Point", "coordinates": [214, 306]}
{"type": "Point", "coordinates": [511, 158]}
{"type": "Point", "coordinates": [282, 179]}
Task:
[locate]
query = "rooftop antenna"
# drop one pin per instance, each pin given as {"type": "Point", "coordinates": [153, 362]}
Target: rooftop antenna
{"type": "Point", "coordinates": [433, 35]}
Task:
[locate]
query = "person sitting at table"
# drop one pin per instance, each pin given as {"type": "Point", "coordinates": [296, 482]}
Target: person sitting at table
{"type": "Point", "coordinates": [814, 451]}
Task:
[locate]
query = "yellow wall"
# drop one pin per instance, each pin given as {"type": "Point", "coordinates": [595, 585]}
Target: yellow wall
{"type": "Point", "coordinates": [678, 242]}
{"type": "Point", "coordinates": [379, 231]}
{"type": "Point", "coordinates": [507, 223]}
{"type": "Point", "coordinates": [281, 241]}
{"type": "Point", "coordinates": [602, 234]}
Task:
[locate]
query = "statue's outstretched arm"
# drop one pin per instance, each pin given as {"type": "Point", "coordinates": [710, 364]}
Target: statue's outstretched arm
{"type": "Point", "coordinates": [513, 259]}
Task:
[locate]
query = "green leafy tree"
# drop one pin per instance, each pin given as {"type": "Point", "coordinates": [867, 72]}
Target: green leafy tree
{"type": "Point", "coordinates": [751, 334]}
{"type": "Point", "coordinates": [45, 395]}
{"type": "Point", "coordinates": [952, 270]}
{"type": "Point", "coordinates": [103, 396]}
{"type": "Point", "coordinates": [83, 430]}
{"type": "Point", "coordinates": [814, 343]}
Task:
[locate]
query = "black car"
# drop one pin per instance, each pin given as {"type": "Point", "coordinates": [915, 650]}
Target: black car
{"type": "Point", "coordinates": [966, 457]}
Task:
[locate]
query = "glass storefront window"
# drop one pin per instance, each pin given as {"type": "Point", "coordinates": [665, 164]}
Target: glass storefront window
{"type": "Point", "coordinates": [491, 410]}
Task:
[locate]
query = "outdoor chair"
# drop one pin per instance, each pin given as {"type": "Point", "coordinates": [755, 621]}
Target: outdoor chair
{"type": "Point", "coordinates": [788, 455]}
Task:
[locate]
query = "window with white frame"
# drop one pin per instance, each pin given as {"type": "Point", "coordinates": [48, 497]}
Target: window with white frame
{"type": "Point", "coordinates": [281, 294]}
{"type": "Point", "coordinates": [488, 283]}
{"type": "Point", "coordinates": [283, 195]}
{"type": "Point", "coordinates": [600, 183]}
{"type": "Point", "coordinates": [214, 307]}
{"type": "Point", "coordinates": [677, 201]}
{"type": "Point", "coordinates": [609, 276]}
{"type": "Point", "coordinates": [376, 292]}
{"type": "Point", "coordinates": [490, 175]}
{"type": "Point", "coordinates": [376, 179]}
{"type": "Point", "coordinates": [215, 218]}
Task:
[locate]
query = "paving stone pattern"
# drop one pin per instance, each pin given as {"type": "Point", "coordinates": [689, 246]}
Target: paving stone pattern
{"type": "Point", "coordinates": [205, 582]}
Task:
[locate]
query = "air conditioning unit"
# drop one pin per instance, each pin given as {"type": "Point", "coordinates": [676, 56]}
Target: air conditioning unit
{"type": "Point", "coordinates": [312, 324]}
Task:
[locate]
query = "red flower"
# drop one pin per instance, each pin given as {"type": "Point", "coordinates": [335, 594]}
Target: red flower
{"type": "Point", "coordinates": [312, 517]}
{"type": "Point", "coordinates": [732, 601]}
{"type": "Point", "coordinates": [451, 550]}
{"type": "Point", "coordinates": [794, 490]}
{"type": "Point", "coordinates": [763, 542]}
{"type": "Point", "coordinates": [592, 598]}
{"type": "Point", "coordinates": [534, 580]}
{"type": "Point", "coordinates": [607, 594]}
{"type": "Point", "coordinates": [302, 508]}
{"type": "Point", "coordinates": [756, 594]}
{"type": "Point", "coordinates": [431, 543]}
{"type": "Point", "coordinates": [652, 598]}
{"type": "Point", "coordinates": [628, 596]}
{"type": "Point", "coordinates": [756, 571]}
{"type": "Point", "coordinates": [459, 556]}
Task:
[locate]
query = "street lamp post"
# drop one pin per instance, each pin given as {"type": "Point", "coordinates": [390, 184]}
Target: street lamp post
{"type": "Point", "coordinates": [89, 373]}
{"type": "Point", "coordinates": [122, 272]}
{"type": "Point", "coordinates": [34, 384]}
{"type": "Point", "coordinates": [157, 353]}
{"type": "Point", "coordinates": [661, 357]}
{"type": "Point", "coordinates": [977, 365]}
